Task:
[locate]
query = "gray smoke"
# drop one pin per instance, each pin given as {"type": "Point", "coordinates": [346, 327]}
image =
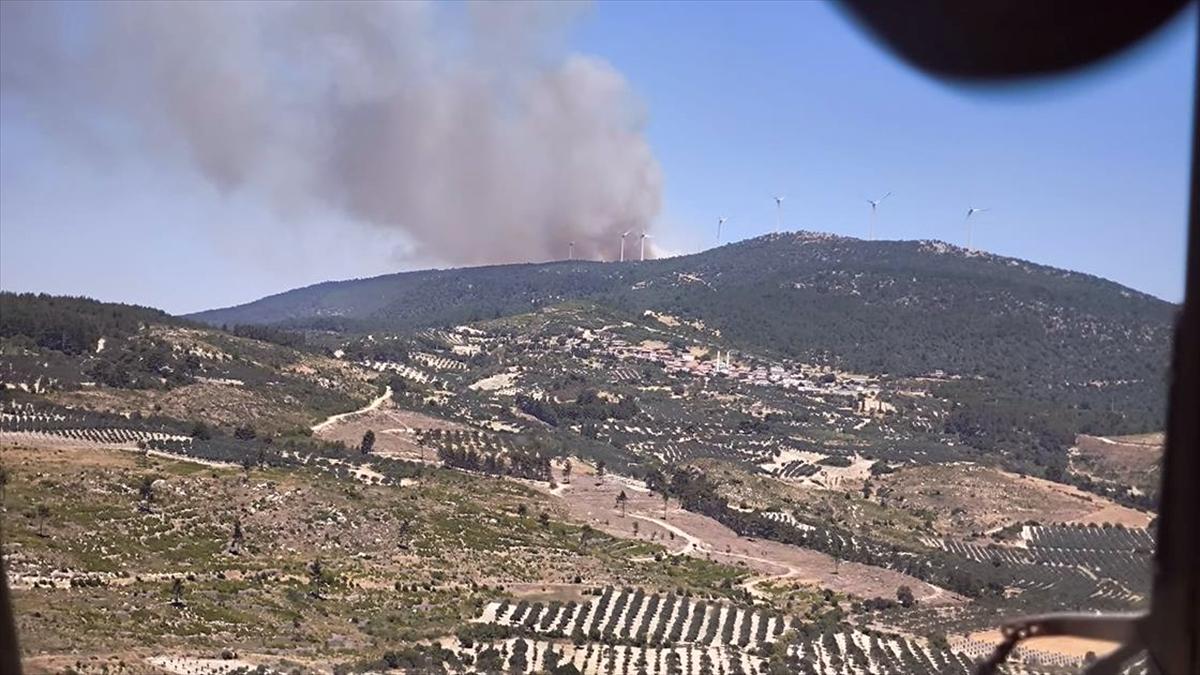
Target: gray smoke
{"type": "Point", "coordinates": [468, 128]}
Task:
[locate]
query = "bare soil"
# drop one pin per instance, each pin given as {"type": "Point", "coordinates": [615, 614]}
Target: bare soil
{"type": "Point", "coordinates": [973, 499]}
{"type": "Point", "coordinates": [395, 431]}
{"type": "Point", "coordinates": [593, 500]}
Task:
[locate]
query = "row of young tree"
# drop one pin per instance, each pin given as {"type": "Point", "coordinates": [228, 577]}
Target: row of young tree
{"type": "Point", "coordinates": [515, 462]}
{"type": "Point", "coordinates": [696, 492]}
{"type": "Point", "coordinates": [588, 405]}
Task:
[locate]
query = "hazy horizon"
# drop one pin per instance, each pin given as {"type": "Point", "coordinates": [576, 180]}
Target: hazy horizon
{"type": "Point", "coordinates": [135, 193]}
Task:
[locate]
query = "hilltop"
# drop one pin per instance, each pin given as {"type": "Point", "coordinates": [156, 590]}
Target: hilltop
{"type": "Point", "coordinates": [908, 307]}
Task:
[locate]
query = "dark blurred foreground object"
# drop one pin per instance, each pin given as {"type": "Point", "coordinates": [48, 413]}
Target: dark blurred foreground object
{"type": "Point", "coordinates": [995, 40]}
{"type": "Point", "coordinates": [1000, 41]}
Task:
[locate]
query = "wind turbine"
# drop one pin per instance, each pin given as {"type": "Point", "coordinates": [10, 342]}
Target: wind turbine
{"type": "Point", "coordinates": [571, 251]}
{"type": "Point", "coordinates": [967, 221]}
{"type": "Point", "coordinates": [623, 235]}
{"type": "Point", "coordinates": [642, 256]}
{"type": "Point", "coordinates": [874, 206]}
{"type": "Point", "coordinates": [720, 222]}
{"type": "Point", "coordinates": [778, 212]}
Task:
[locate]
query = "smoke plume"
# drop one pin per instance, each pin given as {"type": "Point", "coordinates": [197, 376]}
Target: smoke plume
{"type": "Point", "coordinates": [467, 128]}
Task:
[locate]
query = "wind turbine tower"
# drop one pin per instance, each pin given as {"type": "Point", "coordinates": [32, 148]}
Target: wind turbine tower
{"type": "Point", "coordinates": [571, 251]}
{"type": "Point", "coordinates": [642, 255]}
{"type": "Point", "coordinates": [874, 207]}
{"type": "Point", "coordinates": [778, 213]}
{"type": "Point", "coordinates": [623, 235]}
{"type": "Point", "coordinates": [967, 221]}
{"type": "Point", "coordinates": [720, 222]}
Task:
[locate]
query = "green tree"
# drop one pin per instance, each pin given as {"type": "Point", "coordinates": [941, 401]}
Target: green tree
{"type": "Point", "coordinates": [235, 542]}
{"type": "Point", "coordinates": [622, 500]}
{"type": "Point", "coordinates": [368, 442]}
{"type": "Point", "coordinates": [316, 578]}
{"type": "Point", "coordinates": [42, 512]}
{"type": "Point", "coordinates": [177, 592]}
{"type": "Point", "coordinates": [145, 494]}
{"type": "Point", "coordinates": [905, 595]}
{"type": "Point", "coordinates": [201, 432]}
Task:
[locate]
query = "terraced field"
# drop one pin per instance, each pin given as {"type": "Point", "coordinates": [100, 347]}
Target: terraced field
{"type": "Point", "coordinates": [842, 653]}
{"type": "Point", "coordinates": [569, 486]}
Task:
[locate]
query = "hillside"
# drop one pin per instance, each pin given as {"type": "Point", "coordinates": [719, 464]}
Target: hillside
{"type": "Point", "coordinates": [902, 307]}
{"type": "Point", "coordinates": [909, 307]}
{"type": "Point", "coordinates": [619, 473]}
{"type": "Point", "coordinates": [135, 360]}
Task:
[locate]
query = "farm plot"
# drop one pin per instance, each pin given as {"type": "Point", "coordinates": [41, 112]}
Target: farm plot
{"type": "Point", "coordinates": [990, 553]}
{"type": "Point", "coordinates": [464, 441]}
{"type": "Point", "coordinates": [398, 432]}
{"type": "Point", "coordinates": [593, 500]}
{"type": "Point", "coordinates": [113, 436]}
{"type": "Point", "coordinates": [1115, 553]}
{"type": "Point", "coordinates": [674, 443]}
{"type": "Point", "coordinates": [847, 652]}
{"type": "Point", "coordinates": [633, 617]}
{"type": "Point", "coordinates": [74, 427]}
{"type": "Point", "coordinates": [437, 362]}
{"type": "Point", "coordinates": [796, 470]}
{"type": "Point", "coordinates": [402, 369]}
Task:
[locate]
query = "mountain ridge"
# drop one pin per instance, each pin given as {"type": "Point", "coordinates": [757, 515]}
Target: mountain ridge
{"type": "Point", "coordinates": [932, 246]}
{"type": "Point", "coordinates": [799, 294]}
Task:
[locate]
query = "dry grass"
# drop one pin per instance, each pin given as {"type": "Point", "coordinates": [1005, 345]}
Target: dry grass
{"type": "Point", "coordinates": [1070, 646]}
{"type": "Point", "coordinates": [963, 499]}
{"type": "Point", "coordinates": [405, 563]}
{"type": "Point", "coordinates": [1127, 460]}
{"type": "Point", "coordinates": [395, 431]}
{"type": "Point", "coordinates": [593, 500]}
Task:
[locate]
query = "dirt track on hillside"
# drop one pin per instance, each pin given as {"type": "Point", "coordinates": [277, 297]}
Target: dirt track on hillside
{"type": "Point", "coordinates": [593, 500]}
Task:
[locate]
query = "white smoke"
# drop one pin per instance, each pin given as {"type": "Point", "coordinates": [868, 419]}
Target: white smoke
{"type": "Point", "coordinates": [468, 128]}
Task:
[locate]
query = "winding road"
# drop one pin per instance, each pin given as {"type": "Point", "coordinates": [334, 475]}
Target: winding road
{"type": "Point", "coordinates": [333, 419]}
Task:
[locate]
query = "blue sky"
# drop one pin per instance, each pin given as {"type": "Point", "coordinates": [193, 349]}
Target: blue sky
{"type": "Point", "coordinates": [743, 101]}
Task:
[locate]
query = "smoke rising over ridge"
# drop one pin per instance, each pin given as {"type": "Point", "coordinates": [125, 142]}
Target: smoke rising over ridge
{"type": "Point", "coordinates": [466, 128]}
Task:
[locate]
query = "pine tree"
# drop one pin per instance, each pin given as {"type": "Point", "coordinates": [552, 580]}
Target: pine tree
{"type": "Point", "coordinates": [177, 592]}
{"type": "Point", "coordinates": [235, 543]}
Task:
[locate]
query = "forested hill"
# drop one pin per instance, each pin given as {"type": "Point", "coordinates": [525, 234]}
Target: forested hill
{"type": "Point", "coordinates": [904, 307]}
{"type": "Point", "coordinates": [72, 325]}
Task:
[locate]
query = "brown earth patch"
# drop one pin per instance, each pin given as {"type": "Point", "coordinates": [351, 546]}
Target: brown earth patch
{"type": "Point", "coordinates": [592, 500]}
{"type": "Point", "coordinates": [1126, 460]}
{"type": "Point", "coordinates": [973, 499]}
{"type": "Point", "coordinates": [395, 431]}
{"type": "Point", "coordinates": [1070, 646]}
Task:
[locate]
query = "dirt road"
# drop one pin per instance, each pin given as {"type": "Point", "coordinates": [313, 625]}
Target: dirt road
{"type": "Point", "coordinates": [592, 499]}
{"type": "Point", "coordinates": [334, 419]}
